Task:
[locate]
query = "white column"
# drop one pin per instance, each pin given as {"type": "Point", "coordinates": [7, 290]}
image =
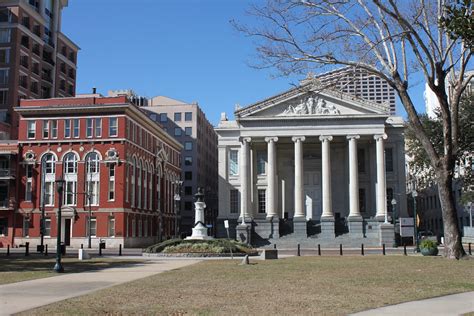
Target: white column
{"type": "Point", "coordinates": [244, 176]}
{"type": "Point", "coordinates": [353, 177]}
{"type": "Point", "coordinates": [326, 176]}
{"type": "Point", "coordinates": [299, 193]}
{"type": "Point", "coordinates": [271, 176]}
{"type": "Point", "coordinates": [381, 192]}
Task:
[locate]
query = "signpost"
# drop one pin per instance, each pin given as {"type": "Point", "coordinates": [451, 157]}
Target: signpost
{"type": "Point", "coordinates": [226, 225]}
{"type": "Point", "coordinates": [406, 226]}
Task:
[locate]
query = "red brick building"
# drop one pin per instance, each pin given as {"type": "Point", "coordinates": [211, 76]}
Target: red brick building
{"type": "Point", "coordinates": [118, 165]}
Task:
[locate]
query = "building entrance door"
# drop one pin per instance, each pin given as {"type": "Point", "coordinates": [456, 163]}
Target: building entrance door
{"type": "Point", "coordinates": [312, 192]}
{"type": "Point", "coordinates": [67, 231]}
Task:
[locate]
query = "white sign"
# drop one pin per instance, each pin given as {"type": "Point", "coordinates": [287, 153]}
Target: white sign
{"type": "Point", "coordinates": [406, 227]}
{"type": "Point", "coordinates": [226, 224]}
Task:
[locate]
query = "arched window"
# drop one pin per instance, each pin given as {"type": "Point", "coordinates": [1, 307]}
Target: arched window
{"type": "Point", "coordinates": [48, 166]}
{"type": "Point", "coordinates": [92, 179]}
{"type": "Point", "coordinates": [158, 189]}
{"type": "Point", "coordinates": [134, 164]}
{"type": "Point", "coordinates": [145, 185]}
{"type": "Point", "coordinates": [70, 178]}
{"type": "Point", "coordinates": [139, 187]}
{"type": "Point", "coordinates": [127, 181]}
{"type": "Point", "coordinates": [150, 187]}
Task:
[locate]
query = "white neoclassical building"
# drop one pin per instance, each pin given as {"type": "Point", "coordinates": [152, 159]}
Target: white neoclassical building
{"type": "Point", "coordinates": [311, 164]}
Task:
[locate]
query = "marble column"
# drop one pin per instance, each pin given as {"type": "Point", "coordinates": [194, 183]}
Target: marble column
{"type": "Point", "coordinates": [271, 177]}
{"type": "Point", "coordinates": [245, 177]}
{"type": "Point", "coordinates": [269, 228]}
{"type": "Point", "coordinates": [327, 216]}
{"type": "Point", "coordinates": [244, 229]}
{"type": "Point", "coordinates": [355, 221]}
{"type": "Point", "coordinates": [299, 218]}
{"type": "Point", "coordinates": [381, 191]}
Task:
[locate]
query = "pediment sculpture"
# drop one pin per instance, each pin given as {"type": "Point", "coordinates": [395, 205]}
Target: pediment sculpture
{"type": "Point", "coordinates": [311, 106]}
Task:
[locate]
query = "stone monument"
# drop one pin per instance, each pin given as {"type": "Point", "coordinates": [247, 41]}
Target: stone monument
{"type": "Point", "coordinates": [200, 229]}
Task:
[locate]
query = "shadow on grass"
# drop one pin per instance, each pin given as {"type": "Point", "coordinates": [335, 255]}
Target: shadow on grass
{"type": "Point", "coordinates": [71, 265]}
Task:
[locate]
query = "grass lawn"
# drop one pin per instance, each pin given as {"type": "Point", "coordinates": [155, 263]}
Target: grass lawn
{"type": "Point", "coordinates": [16, 269]}
{"type": "Point", "coordinates": [297, 285]}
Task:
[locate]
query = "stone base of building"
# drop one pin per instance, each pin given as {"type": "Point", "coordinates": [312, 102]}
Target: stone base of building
{"type": "Point", "coordinates": [244, 233]}
{"type": "Point", "coordinates": [76, 242]}
{"type": "Point", "coordinates": [300, 227]}
{"type": "Point", "coordinates": [267, 228]}
{"type": "Point", "coordinates": [387, 234]}
{"type": "Point", "coordinates": [327, 228]}
{"type": "Point", "coordinates": [356, 226]}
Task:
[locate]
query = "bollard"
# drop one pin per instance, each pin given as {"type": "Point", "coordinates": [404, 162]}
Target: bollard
{"type": "Point", "coordinates": [46, 250]}
{"type": "Point", "coordinates": [404, 249]}
{"type": "Point", "coordinates": [470, 252]}
{"type": "Point", "coordinates": [8, 250]}
{"type": "Point", "coordinates": [298, 252]}
{"type": "Point", "coordinates": [100, 250]}
{"type": "Point", "coordinates": [274, 246]}
{"type": "Point", "coordinates": [120, 249]}
{"type": "Point", "coordinates": [383, 249]}
{"type": "Point", "coordinates": [82, 246]}
{"type": "Point", "coordinates": [319, 249]}
{"type": "Point", "coordinates": [362, 249]}
{"type": "Point", "coordinates": [340, 249]}
{"type": "Point", "coordinates": [27, 249]}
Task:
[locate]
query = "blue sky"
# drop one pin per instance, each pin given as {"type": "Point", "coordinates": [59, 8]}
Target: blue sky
{"type": "Point", "coordinates": [185, 50]}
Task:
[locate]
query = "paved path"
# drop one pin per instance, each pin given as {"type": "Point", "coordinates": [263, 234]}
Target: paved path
{"type": "Point", "coordinates": [456, 304]}
{"type": "Point", "coordinates": [21, 296]}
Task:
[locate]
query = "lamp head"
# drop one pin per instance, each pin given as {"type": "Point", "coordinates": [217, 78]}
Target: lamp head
{"type": "Point", "coordinates": [394, 202]}
{"type": "Point", "coordinates": [60, 185]}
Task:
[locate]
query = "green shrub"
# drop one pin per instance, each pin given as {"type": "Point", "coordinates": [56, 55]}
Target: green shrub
{"type": "Point", "coordinates": [428, 244]}
{"type": "Point", "coordinates": [201, 246]}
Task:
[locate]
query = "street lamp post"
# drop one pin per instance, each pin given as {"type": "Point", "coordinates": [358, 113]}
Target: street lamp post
{"type": "Point", "coordinates": [177, 200]}
{"type": "Point", "coordinates": [414, 194]}
{"type": "Point", "coordinates": [394, 214]}
{"type": "Point", "coordinates": [60, 187]}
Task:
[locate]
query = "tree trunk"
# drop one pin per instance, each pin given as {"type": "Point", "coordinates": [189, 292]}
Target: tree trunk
{"type": "Point", "coordinates": [453, 248]}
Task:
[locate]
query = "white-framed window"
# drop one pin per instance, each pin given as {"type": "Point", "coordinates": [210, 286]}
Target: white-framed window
{"type": "Point", "coordinates": [67, 128]}
{"type": "Point", "coordinates": [132, 178]}
{"type": "Point", "coordinates": [89, 127]}
{"type": "Point", "coordinates": [45, 129]}
{"type": "Point", "coordinates": [139, 184]}
{"type": "Point", "coordinates": [127, 181]}
{"type": "Point", "coordinates": [93, 230]}
{"type": "Point", "coordinates": [76, 128]}
{"type": "Point", "coordinates": [48, 163]}
{"type": "Point", "coordinates": [262, 195]}
{"type": "Point", "coordinates": [92, 178]}
{"type": "Point", "coordinates": [47, 227]}
{"type": "Point", "coordinates": [111, 226]}
{"type": "Point", "coordinates": [158, 192]}
{"type": "Point", "coordinates": [70, 177]}
{"type": "Point", "coordinates": [54, 129]}
{"type": "Point", "coordinates": [150, 189]}
{"type": "Point", "coordinates": [31, 133]}
{"type": "Point", "coordinates": [113, 127]}
{"type": "Point", "coordinates": [261, 161]}
{"type": "Point", "coordinates": [233, 162]}
{"type": "Point", "coordinates": [98, 127]}
{"type": "Point", "coordinates": [29, 183]}
{"type": "Point", "coordinates": [234, 201]}
{"type": "Point", "coordinates": [145, 186]}
{"type": "Point", "coordinates": [111, 193]}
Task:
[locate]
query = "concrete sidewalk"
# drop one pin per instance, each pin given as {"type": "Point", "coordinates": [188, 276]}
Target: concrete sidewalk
{"type": "Point", "coordinates": [456, 304]}
{"type": "Point", "coordinates": [22, 296]}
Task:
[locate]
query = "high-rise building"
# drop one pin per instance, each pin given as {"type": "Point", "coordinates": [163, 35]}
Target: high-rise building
{"type": "Point", "coordinates": [360, 83]}
{"type": "Point", "coordinates": [36, 59]}
{"type": "Point", "coordinates": [187, 123]}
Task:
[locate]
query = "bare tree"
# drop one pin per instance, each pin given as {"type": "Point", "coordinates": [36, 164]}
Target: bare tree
{"type": "Point", "coordinates": [396, 40]}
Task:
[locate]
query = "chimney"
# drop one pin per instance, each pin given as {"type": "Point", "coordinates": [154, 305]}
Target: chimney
{"type": "Point", "coordinates": [94, 90]}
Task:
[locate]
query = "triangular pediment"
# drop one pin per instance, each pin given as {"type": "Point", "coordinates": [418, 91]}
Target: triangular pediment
{"type": "Point", "coordinates": [310, 100]}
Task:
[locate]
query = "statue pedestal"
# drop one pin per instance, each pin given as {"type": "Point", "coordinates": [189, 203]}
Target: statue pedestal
{"type": "Point", "coordinates": [199, 230]}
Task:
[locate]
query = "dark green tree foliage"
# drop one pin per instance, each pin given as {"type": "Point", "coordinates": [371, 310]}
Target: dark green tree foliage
{"type": "Point", "coordinates": [459, 21]}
